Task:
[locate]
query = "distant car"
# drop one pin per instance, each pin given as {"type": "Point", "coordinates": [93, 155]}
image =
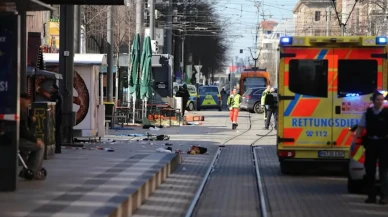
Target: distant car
{"type": "Point", "coordinates": [209, 97]}
{"type": "Point", "coordinates": [252, 98]}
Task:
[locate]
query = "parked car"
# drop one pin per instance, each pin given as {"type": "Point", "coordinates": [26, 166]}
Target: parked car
{"type": "Point", "coordinates": [252, 98]}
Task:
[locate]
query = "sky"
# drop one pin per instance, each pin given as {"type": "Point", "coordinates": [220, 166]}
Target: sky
{"type": "Point", "coordinates": [240, 17]}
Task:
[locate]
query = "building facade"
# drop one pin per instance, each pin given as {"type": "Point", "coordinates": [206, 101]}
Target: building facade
{"type": "Point", "coordinates": [315, 18]}
{"type": "Point", "coordinates": [268, 43]}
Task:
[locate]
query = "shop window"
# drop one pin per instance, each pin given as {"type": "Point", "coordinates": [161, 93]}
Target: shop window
{"type": "Point", "coordinates": [308, 77]}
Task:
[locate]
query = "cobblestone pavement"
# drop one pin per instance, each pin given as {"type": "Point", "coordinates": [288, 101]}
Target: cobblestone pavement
{"type": "Point", "coordinates": [310, 195]}
{"type": "Point", "coordinates": [176, 194]}
{"type": "Point", "coordinates": [231, 190]}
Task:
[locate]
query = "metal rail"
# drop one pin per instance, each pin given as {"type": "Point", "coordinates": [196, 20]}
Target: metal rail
{"type": "Point", "coordinates": [197, 196]}
{"type": "Point", "coordinates": [260, 186]}
{"type": "Point", "coordinates": [202, 186]}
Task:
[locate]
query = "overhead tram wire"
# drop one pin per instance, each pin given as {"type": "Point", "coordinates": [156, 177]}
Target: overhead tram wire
{"type": "Point", "coordinates": [343, 25]}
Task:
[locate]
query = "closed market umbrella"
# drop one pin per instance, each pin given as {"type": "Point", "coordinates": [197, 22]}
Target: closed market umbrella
{"type": "Point", "coordinates": [134, 73]}
{"type": "Point", "coordinates": [146, 73]}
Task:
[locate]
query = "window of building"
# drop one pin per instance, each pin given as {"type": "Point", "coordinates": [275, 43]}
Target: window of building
{"type": "Point", "coordinates": [357, 77]}
{"type": "Point", "coordinates": [268, 45]}
{"type": "Point", "coordinates": [308, 77]}
{"type": "Point", "coordinates": [317, 15]}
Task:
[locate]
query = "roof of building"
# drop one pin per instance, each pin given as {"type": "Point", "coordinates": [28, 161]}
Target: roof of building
{"type": "Point", "coordinates": [79, 59]}
{"type": "Point", "coordinates": [268, 24]}
{"type": "Point", "coordinates": [32, 5]}
{"type": "Point", "coordinates": [323, 3]}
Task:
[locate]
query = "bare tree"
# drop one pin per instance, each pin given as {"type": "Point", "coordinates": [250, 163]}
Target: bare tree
{"type": "Point", "coordinates": [94, 19]}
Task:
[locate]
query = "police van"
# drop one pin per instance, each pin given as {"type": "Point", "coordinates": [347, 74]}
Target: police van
{"type": "Point", "coordinates": [325, 84]}
{"type": "Point", "coordinates": [209, 97]}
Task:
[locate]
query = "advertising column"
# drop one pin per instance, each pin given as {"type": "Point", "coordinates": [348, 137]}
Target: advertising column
{"type": "Point", "coordinates": [9, 100]}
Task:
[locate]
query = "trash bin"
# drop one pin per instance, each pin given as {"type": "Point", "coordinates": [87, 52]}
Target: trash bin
{"type": "Point", "coordinates": [44, 127]}
{"type": "Point", "coordinates": [109, 111]}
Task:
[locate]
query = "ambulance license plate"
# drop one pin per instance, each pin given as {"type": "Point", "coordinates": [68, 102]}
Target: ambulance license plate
{"type": "Point", "coordinates": [332, 154]}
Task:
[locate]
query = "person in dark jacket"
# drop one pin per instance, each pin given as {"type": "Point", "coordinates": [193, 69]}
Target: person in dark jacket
{"type": "Point", "coordinates": [28, 142]}
{"type": "Point", "coordinates": [184, 93]}
{"type": "Point", "coordinates": [375, 121]}
{"type": "Point", "coordinates": [271, 106]}
{"type": "Point", "coordinates": [57, 98]}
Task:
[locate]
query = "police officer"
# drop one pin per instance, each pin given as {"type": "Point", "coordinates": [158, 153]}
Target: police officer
{"type": "Point", "coordinates": [262, 101]}
{"type": "Point", "coordinates": [184, 93]}
{"type": "Point", "coordinates": [271, 107]}
{"type": "Point", "coordinates": [375, 121]}
{"type": "Point", "coordinates": [57, 98]}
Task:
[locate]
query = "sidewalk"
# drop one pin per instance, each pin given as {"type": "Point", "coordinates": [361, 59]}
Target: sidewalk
{"type": "Point", "coordinates": [92, 182]}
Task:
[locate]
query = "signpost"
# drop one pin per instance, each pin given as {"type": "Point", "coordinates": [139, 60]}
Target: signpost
{"type": "Point", "coordinates": [9, 98]}
{"type": "Point", "coordinates": [198, 68]}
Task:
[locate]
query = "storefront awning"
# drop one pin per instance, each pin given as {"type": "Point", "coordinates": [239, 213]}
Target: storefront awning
{"type": "Point", "coordinates": [32, 5]}
{"type": "Point", "coordinates": [33, 71]}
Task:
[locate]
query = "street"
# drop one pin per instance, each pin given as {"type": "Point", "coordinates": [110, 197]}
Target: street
{"type": "Point", "coordinates": [231, 191]}
{"type": "Point", "coordinates": [99, 183]}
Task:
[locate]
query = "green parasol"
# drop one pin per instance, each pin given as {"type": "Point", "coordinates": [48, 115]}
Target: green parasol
{"type": "Point", "coordinates": [146, 73]}
{"type": "Point", "coordinates": [135, 68]}
{"type": "Point", "coordinates": [146, 70]}
{"type": "Point", "coordinates": [134, 73]}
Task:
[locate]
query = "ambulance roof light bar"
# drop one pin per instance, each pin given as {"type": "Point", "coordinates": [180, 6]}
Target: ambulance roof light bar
{"type": "Point", "coordinates": [381, 40]}
{"type": "Point", "coordinates": [285, 40]}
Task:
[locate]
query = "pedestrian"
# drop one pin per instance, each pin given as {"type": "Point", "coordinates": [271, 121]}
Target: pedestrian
{"type": "Point", "coordinates": [184, 93]}
{"type": "Point", "coordinates": [57, 98]}
{"type": "Point", "coordinates": [375, 121]}
{"type": "Point", "coordinates": [233, 103]}
{"type": "Point", "coordinates": [229, 103]}
{"type": "Point", "coordinates": [271, 107]}
{"type": "Point", "coordinates": [262, 101]}
{"type": "Point", "coordinates": [223, 92]}
{"type": "Point", "coordinates": [28, 142]}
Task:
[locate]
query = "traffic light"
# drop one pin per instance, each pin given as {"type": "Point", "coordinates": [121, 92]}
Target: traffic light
{"type": "Point", "coordinates": [86, 2]}
{"type": "Point", "coordinates": [241, 50]}
{"type": "Point", "coordinates": [229, 77]}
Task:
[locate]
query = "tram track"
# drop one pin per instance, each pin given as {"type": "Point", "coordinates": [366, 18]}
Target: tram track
{"type": "Point", "coordinates": [259, 184]}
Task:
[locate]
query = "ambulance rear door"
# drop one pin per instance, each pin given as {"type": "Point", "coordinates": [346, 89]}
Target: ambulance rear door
{"type": "Point", "coordinates": [304, 100]}
{"type": "Point", "coordinates": [359, 73]}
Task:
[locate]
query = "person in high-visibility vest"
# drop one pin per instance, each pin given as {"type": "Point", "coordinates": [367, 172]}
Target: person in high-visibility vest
{"type": "Point", "coordinates": [262, 102]}
{"type": "Point", "coordinates": [234, 101]}
{"type": "Point", "coordinates": [229, 103]}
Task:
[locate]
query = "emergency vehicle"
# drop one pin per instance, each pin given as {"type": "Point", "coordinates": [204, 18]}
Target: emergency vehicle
{"type": "Point", "coordinates": [209, 97]}
{"type": "Point", "coordinates": [325, 84]}
{"type": "Point", "coordinates": [192, 102]}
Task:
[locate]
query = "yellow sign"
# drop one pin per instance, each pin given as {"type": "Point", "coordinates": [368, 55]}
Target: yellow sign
{"type": "Point", "coordinates": [53, 31]}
